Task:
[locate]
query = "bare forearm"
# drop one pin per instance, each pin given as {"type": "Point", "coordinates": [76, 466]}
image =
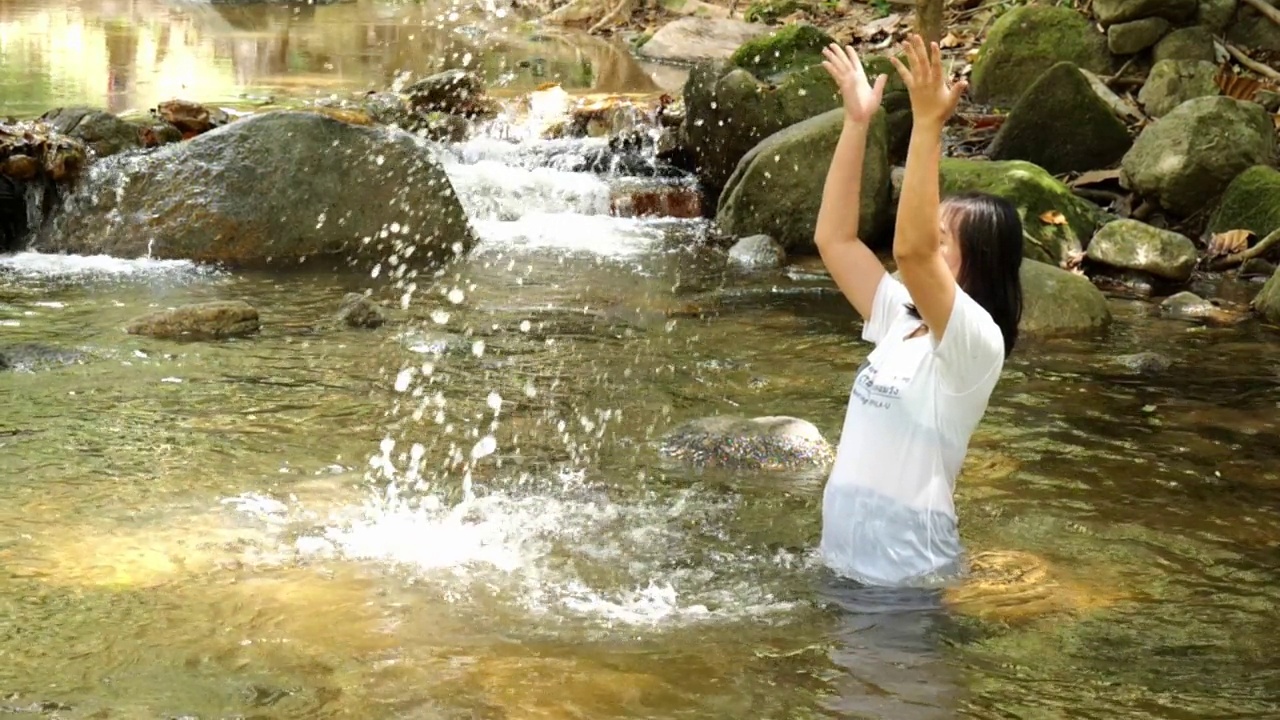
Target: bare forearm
{"type": "Point", "coordinates": [916, 234]}
{"type": "Point", "coordinates": [842, 192]}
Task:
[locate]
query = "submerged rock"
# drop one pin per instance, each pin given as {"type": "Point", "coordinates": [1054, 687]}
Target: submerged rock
{"type": "Point", "coordinates": [1057, 302]}
{"type": "Point", "coordinates": [1190, 156]}
{"type": "Point", "coordinates": [359, 310]}
{"type": "Point", "coordinates": [281, 187]}
{"type": "Point", "coordinates": [1188, 306]}
{"type": "Point", "coordinates": [757, 252]}
{"type": "Point", "coordinates": [1145, 363]}
{"type": "Point", "coordinates": [1056, 222]}
{"type": "Point", "coordinates": [762, 443]}
{"type": "Point", "coordinates": [201, 321]}
{"type": "Point", "coordinates": [1027, 41]}
{"type": "Point", "coordinates": [777, 188]}
{"type": "Point", "coordinates": [1134, 245]}
{"type": "Point", "coordinates": [1062, 105]}
{"type": "Point", "coordinates": [35, 356]}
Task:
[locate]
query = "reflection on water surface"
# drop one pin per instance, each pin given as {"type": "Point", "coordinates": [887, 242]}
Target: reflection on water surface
{"type": "Point", "coordinates": [132, 54]}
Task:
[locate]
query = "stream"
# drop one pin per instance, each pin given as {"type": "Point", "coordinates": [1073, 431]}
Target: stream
{"type": "Point", "coordinates": [462, 514]}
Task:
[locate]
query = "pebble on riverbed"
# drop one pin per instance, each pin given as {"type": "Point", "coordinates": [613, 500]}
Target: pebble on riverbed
{"type": "Point", "coordinates": [201, 321]}
{"type": "Point", "coordinates": [757, 252]}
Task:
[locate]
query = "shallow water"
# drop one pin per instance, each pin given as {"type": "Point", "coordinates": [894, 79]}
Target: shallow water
{"type": "Point", "coordinates": [462, 514]}
{"type": "Point", "coordinates": [129, 55]}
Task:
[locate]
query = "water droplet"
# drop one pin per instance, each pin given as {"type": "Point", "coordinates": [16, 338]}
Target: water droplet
{"type": "Point", "coordinates": [456, 296]}
{"type": "Point", "coordinates": [379, 160]}
{"type": "Point", "coordinates": [495, 402]}
{"type": "Point", "coordinates": [439, 317]}
{"type": "Point", "coordinates": [403, 379]}
{"type": "Point", "coordinates": [525, 326]}
{"type": "Point", "coordinates": [477, 348]}
{"type": "Point", "coordinates": [485, 447]}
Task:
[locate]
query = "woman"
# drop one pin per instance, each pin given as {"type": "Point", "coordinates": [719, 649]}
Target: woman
{"type": "Point", "coordinates": [941, 335]}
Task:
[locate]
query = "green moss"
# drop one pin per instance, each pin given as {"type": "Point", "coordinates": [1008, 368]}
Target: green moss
{"type": "Point", "coordinates": [1251, 202]}
{"type": "Point", "coordinates": [788, 48]}
{"type": "Point", "coordinates": [639, 40]}
{"type": "Point", "coordinates": [1027, 41]}
{"type": "Point", "coordinates": [1035, 193]}
{"type": "Point", "coordinates": [767, 11]}
{"type": "Point", "coordinates": [1267, 302]}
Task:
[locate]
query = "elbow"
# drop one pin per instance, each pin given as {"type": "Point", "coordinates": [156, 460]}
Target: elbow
{"type": "Point", "coordinates": [913, 255]}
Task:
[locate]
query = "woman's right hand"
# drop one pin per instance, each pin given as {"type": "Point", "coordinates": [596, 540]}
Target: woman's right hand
{"type": "Point", "coordinates": [861, 99]}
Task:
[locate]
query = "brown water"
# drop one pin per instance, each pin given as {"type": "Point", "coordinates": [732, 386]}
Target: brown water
{"type": "Point", "coordinates": [246, 529]}
{"type": "Point", "coordinates": [126, 55]}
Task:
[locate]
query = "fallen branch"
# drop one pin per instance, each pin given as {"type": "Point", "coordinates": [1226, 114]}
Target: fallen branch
{"type": "Point", "coordinates": [1247, 254]}
{"type": "Point", "coordinates": [1268, 11]}
{"type": "Point", "coordinates": [1254, 65]}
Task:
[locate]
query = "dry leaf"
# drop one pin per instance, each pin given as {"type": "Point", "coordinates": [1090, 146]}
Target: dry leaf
{"type": "Point", "coordinates": [1229, 242]}
{"type": "Point", "coordinates": [874, 29]}
{"type": "Point", "coordinates": [1053, 217]}
{"type": "Point", "coordinates": [950, 40]}
{"type": "Point", "coordinates": [1095, 177]}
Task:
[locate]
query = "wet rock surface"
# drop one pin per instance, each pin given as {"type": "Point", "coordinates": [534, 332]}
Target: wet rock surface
{"type": "Point", "coordinates": [29, 357]}
{"type": "Point", "coordinates": [201, 321]}
{"type": "Point", "coordinates": [360, 311]}
{"type": "Point", "coordinates": [280, 187]}
{"type": "Point", "coordinates": [757, 252]}
{"type": "Point", "coordinates": [762, 443]}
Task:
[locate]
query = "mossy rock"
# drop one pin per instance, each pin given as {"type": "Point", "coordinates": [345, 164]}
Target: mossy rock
{"type": "Point", "coordinates": [1062, 105]}
{"type": "Point", "coordinates": [790, 47]}
{"type": "Point", "coordinates": [1173, 82]}
{"type": "Point", "coordinates": [777, 187]}
{"type": "Point", "coordinates": [1251, 202]}
{"type": "Point", "coordinates": [1128, 244]}
{"type": "Point", "coordinates": [1110, 12]}
{"type": "Point", "coordinates": [767, 11]}
{"type": "Point", "coordinates": [1267, 301]}
{"type": "Point", "coordinates": [1057, 302]}
{"type": "Point", "coordinates": [1192, 43]}
{"type": "Point", "coordinates": [1027, 41]}
{"type": "Point", "coordinates": [728, 111]}
{"type": "Point", "coordinates": [1034, 192]}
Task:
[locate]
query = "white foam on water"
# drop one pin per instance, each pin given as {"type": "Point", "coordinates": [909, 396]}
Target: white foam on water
{"type": "Point", "coordinates": [594, 234]}
{"type": "Point", "coordinates": [37, 264]}
{"type": "Point", "coordinates": [492, 190]}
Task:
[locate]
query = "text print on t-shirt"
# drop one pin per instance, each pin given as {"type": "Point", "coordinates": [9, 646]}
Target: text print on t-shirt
{"type": "Point", "coordinates": [876, 390]}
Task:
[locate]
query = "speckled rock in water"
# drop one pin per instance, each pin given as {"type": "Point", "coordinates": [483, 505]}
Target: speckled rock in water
{"type": "Point", "coordinates": [1173, 82]}
{"type": "Point", "coordinates": [201, 321]}
{"type": "Point", "coordinates": [757, 251]}
{"type": "Point", "coordinates": [34, 356]}
{"type": "Point", "coordinates": [1188, 305]}
{"type": "Point", "coordinates": [358, 310]}
{"type": "Point", "coordinates": [1133, 245]}
{"type": "Point", "coordinates": [763, 443]}
{"type": "Point", "coordinates": [1013, 587]}
{"type": "Point", "coordinates": [280, 188]}
{"type": "Point", "coordinates": [1144, 362]}
{"type": "Point", "coordinates": [456, 92]}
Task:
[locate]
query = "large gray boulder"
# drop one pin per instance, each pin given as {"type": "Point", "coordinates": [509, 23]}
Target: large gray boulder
{"type": "Point", "coordinates": [1133, 245]}
{"type": "Point", "coordinates": [1025, 42]}
{"type": "Point", "coordinates": [276, 188]}
{"type": "Point", "coordinates": [1187, 158]}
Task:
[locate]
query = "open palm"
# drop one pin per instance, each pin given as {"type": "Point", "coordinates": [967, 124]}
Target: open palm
{"type": "Point", "coordinates": [861, 99]}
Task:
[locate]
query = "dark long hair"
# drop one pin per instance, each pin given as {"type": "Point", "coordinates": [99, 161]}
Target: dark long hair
{"type": "Point", "coordinates": [989, 232]}
{"type": "Point", "coordinates": [990, 235]}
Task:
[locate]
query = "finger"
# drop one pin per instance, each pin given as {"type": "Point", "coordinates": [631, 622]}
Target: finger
{"type": "Point", "coordinates": [957, 91]}
{"type": "Point", "coordinates": [878, 90]}
{"type": "Point", "coordinates": [903, 72]}
{"type": "Point", "coordinates": [836, 54]}
{"type": "Point", "coordinates": [935, 57]}
{"type": "Point", "coordinates": [854, 63]}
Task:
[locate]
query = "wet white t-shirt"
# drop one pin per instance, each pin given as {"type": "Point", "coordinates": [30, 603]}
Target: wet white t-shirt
{"type": "Point", "coordinates": [887, 512]}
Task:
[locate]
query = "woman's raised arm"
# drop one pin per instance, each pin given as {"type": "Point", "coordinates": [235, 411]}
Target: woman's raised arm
{"type": "Point", "coordinates": [856, 270]}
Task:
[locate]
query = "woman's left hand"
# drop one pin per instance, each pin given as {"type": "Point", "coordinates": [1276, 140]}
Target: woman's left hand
{"type": "Point", "coordinates": [933, 98]}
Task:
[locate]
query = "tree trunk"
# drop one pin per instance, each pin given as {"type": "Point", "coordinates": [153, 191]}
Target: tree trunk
{"type": "Point", "coordinates": [929, 19]}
